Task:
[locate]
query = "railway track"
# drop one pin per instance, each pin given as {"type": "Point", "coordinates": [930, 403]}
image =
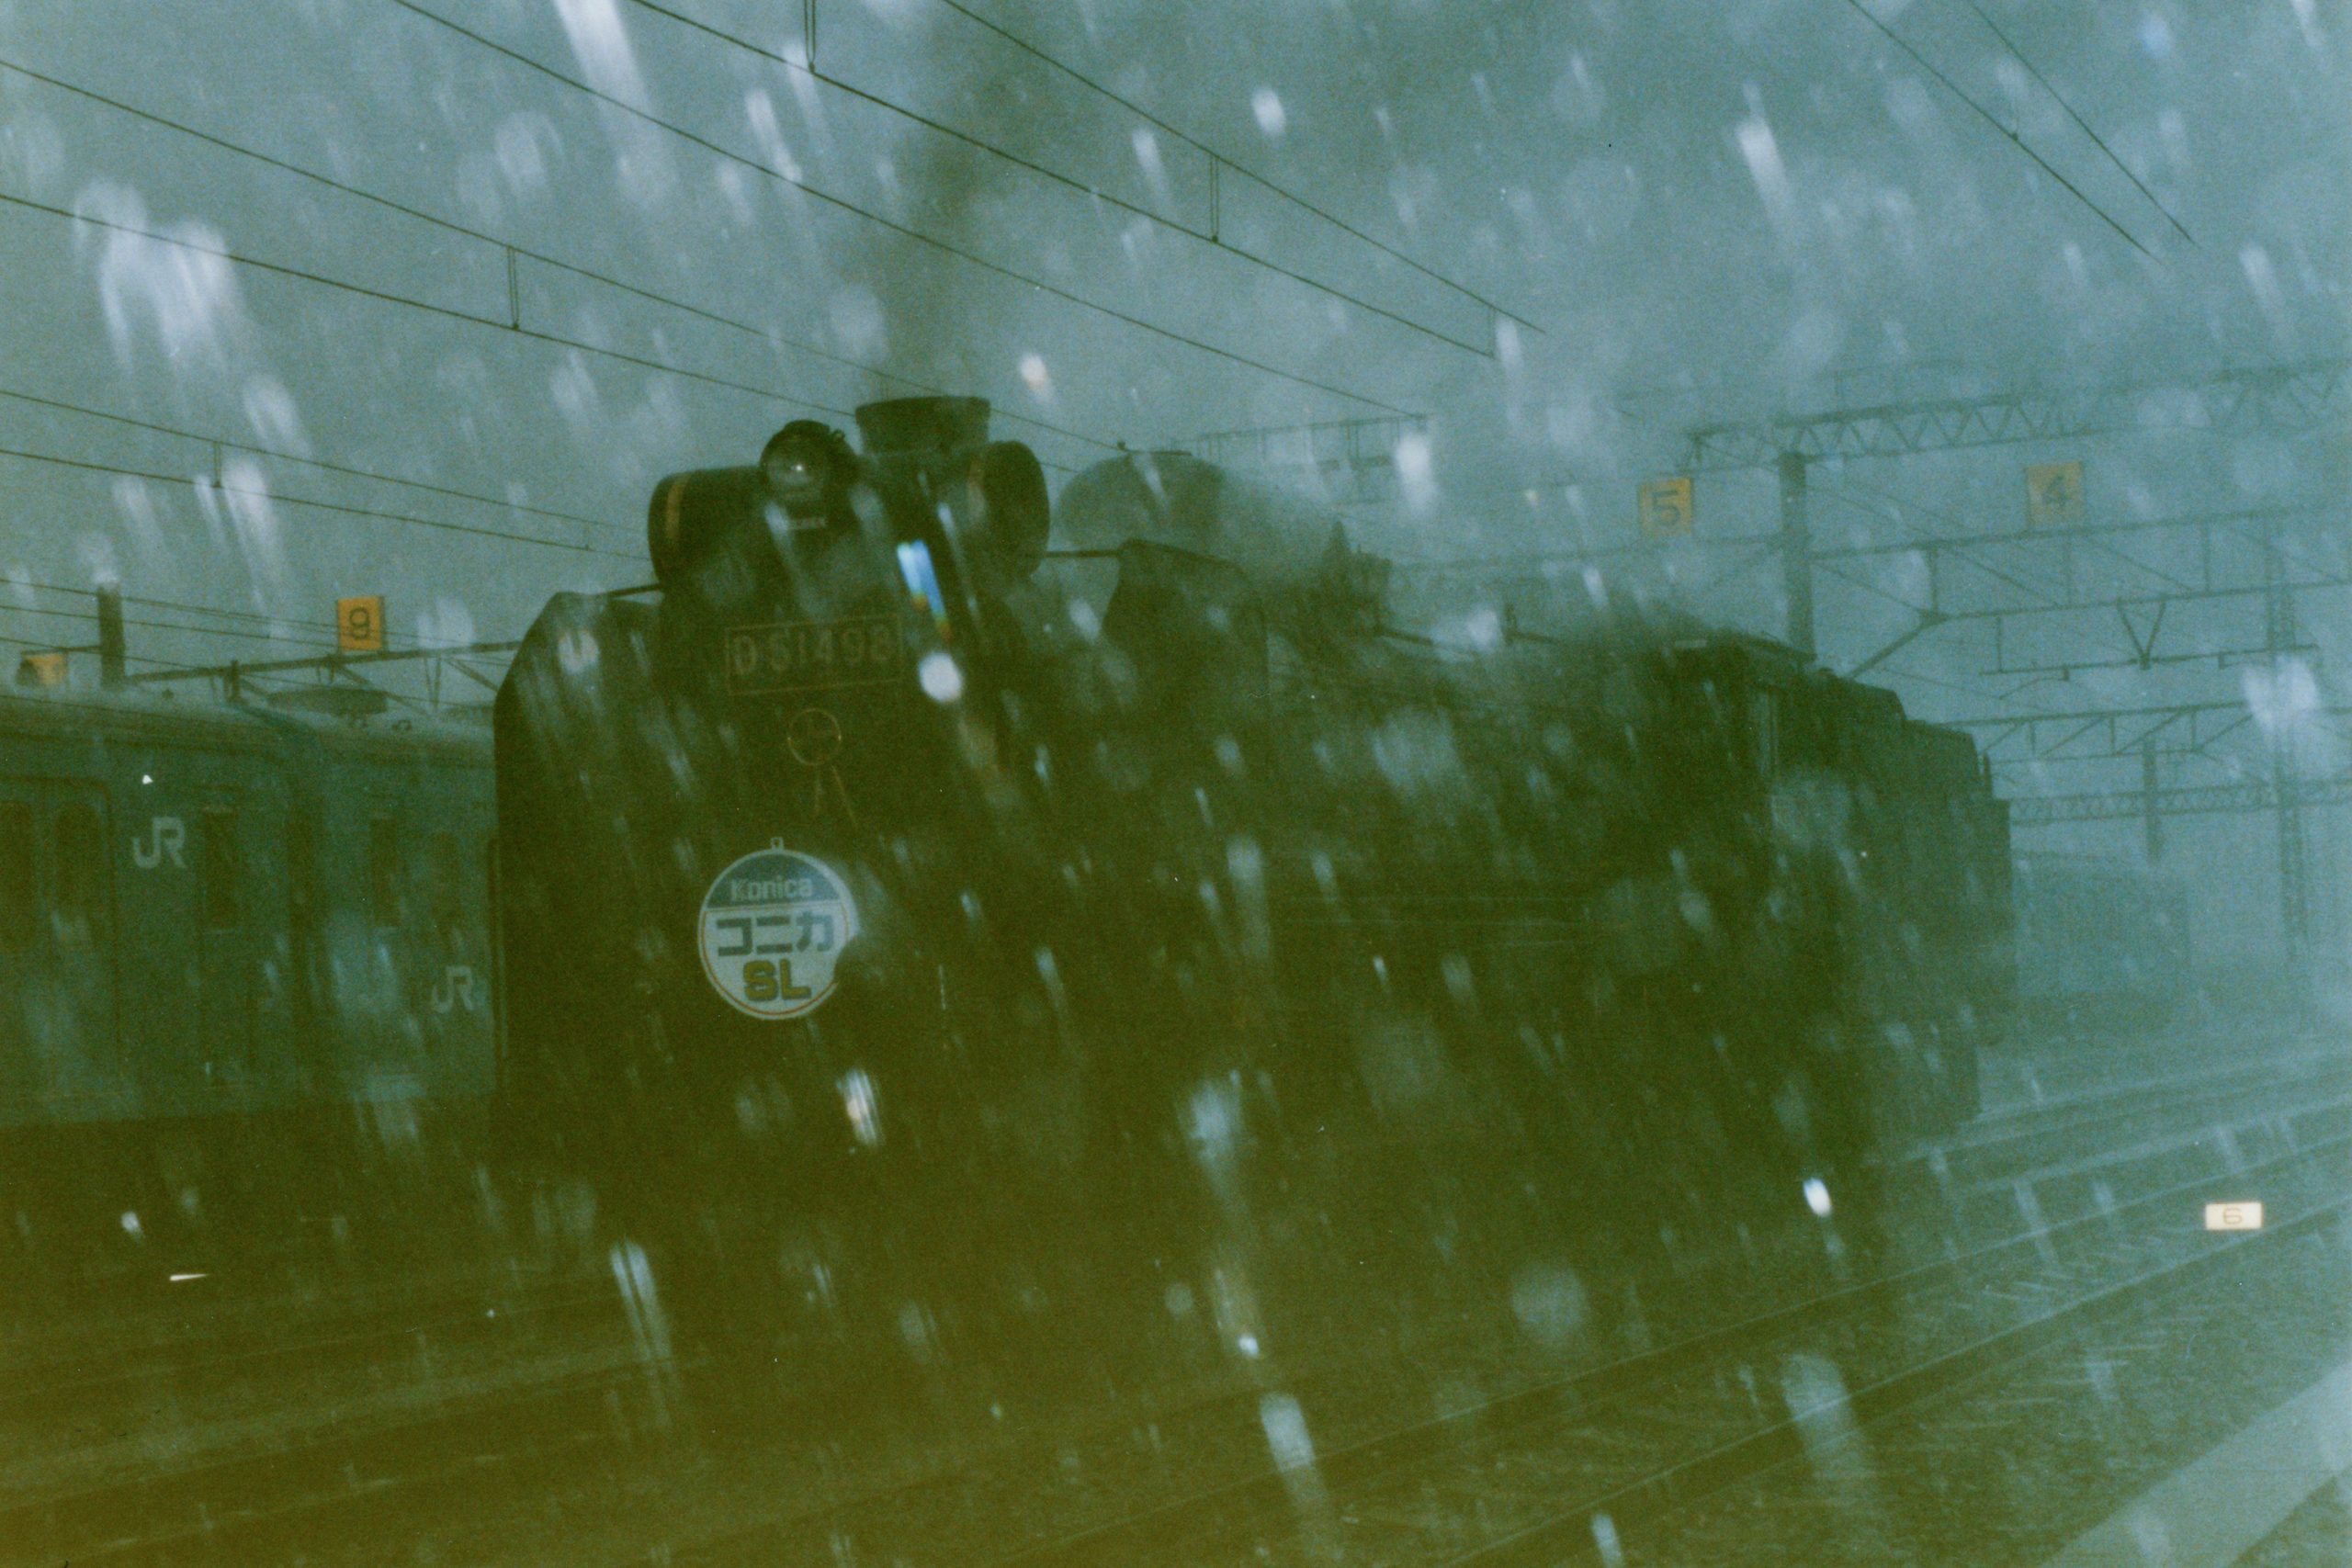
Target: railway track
{"type": "Point", "coordinates": [1641, 1435]}
{"type": "Point", "coordinates": [1884, 1392]}
{"type": "Point", "coordinates": [485, 1433]}
{"type": "Point", "coordinates": [2008, 1456]}
{"type": "Point", "coordinates": [2047, 1173]}
{"type": "Point", "coordinates": [216, 1317]}
{"type": "Point", "coordinates": [2063, 1123]}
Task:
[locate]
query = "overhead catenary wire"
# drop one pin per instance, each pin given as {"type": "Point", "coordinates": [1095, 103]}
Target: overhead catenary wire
{"type": "Point", "coordinates": [1838, 493]}
{"type": "Point", "coordinates": [1846, 491]}
{"type": "Point", "coordinates": [765, 334]}
{"type": "Point", "coordinates": [200, 481]}
{"type": "Point", "coordinates": [1992, 120]}
{"type": "Point", "coordinates": [34, 644]}
{"type": "Point", "coordinates": [1218, 160]}
{"type": "Point", "coordinates": [21, 580]}
{"type": "Point", "coordinates": [13, 609]}
{"type": "Point", "coordinates": [227, 443]}
{"type": "Point", "coordinates": [275, 625]}
{"type": "Point", "coordinates": [327, 657]}
{"type": "Point", "coordinates": [170, 668]}
{"type": "Point", "coordinates": [447, 313]}
{"type": "Point", "coordinates": [2080, 123]}
{"type": "Point", "coordinates": [892, 225]}
{"type": "Point", "coordinates": [2049, 597]}
{"type": "Point", "coordinates": [1209, 236]}
{"type": "Point", "coordinates": [1898, 672]}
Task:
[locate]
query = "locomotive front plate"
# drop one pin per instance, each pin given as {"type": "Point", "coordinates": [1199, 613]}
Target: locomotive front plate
{"type": "Point", "coordinates": [813, 656]}
{"type": "Point", "coordinates": [773, 928]}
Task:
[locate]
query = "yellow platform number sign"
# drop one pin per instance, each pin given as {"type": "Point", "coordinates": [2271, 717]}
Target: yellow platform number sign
{"type": "Point", "coordinates": [2053, 495]}
{"type": "Point", "coordinates": [359, 624]}
{"type": "Point", "coordinates": [1664, 507]}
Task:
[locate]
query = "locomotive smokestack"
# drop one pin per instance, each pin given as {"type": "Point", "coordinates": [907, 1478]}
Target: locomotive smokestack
{"type": "Point", "coordinates": [918, 426]}
{"type": "Point", "coordinates": [113, 661]}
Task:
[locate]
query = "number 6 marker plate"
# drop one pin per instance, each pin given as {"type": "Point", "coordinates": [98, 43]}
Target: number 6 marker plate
{"type": "Point", "coordinates": [773, 926]}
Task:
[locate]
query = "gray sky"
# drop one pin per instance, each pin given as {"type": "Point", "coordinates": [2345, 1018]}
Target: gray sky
{"type": "Point", "coordinates": [1733, 197]}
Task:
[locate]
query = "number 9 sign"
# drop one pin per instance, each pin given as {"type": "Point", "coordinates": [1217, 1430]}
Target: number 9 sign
{"type": "Point", "coordinates": [359, 624]}
{"type": "Point", "coordinates": [771, 931]}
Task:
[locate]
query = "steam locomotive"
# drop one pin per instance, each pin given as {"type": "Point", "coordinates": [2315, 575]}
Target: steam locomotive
{"type": "Point", "coordinates": [917, 825]}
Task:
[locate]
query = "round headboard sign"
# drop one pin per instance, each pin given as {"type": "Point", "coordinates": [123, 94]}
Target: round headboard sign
{"type": "Point", "coordinates": [773, 928]}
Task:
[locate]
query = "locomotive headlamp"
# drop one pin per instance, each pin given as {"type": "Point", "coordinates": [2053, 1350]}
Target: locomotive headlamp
{"type": "Point", "coordinates": [808, 466]}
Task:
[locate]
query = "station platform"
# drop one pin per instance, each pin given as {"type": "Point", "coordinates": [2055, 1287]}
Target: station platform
{"type": "Point", "coordinates": [2278, 1494]}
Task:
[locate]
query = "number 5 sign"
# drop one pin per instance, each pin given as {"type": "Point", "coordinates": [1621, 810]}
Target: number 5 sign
{"type": "Point", "coordinates": [359, 624]}
{"type": "Point", "coordinates": [1664, 507]}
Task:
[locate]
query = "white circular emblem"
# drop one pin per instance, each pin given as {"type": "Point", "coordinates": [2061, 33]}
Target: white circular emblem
{"type": "Point", "coordinates": [773, 926]}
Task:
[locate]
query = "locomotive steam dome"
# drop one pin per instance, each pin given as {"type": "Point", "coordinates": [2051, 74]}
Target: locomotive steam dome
{"type": "Point", "coordinates": [1178, 500]}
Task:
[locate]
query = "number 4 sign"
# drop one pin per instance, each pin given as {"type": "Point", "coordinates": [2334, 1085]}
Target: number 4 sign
{"type": "Point", "coordinates": [2053, 493]}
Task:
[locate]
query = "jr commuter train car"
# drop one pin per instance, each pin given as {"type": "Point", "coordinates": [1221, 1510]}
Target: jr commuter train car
{"type": "Point", "coordinates": [220, 920]}
{"type": "Point", "coordinates": [891, 833]}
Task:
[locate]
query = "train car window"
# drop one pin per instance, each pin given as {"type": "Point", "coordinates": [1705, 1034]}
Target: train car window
{"type": "Point", "coordinates": [79, 913]}
{"type": "Point", "coordinates": [17, 915]}
{"type": "Point", "coordinates": [218, 866]}
{"type": "Point", "coordinates": [1764, 730]}
{"type": "Point", "coordinates": [447, 871]}
{"type": "Point", "coordinates": [302, 868]}
{"type": "Point", "coordinates": [387, 894]}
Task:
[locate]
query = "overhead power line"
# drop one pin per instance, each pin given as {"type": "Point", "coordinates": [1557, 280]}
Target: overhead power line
{"type": "Point", "coordinates": [1209, 237]}
{"type": "Point", "coordinates": [8, 608]}
{"type": "Point", "coordinates": [296, 629]}
{"type": "Point", "coordinates": [2285, 400]}
{"type": "Point", "coordinates": [447, 313]}
{"type": "Point", "coordinates": [275, 635]}
{"type": "Point", "coordinates": [1194, 143]}
{"type": "Point", "coordinates": [168, 668]}
{"type": "Point", "coordinates": [765, 334]}
{"type": "Point", "coordinates": [2080, 123]}
{"type": "Point", "coordinates": [324, 465]}
{"type": "Point", "coordinates": [274, 628]}
{"type": "Point", "coordinates": [906, 232]}
{"type": "Point", "coordinates": [19, 580]}
{"type": "Point", "coordinates": [2008, 135]}
{"type": "Point", "coordinates": [197, 481]}
{"type": "Point", "coordinates": [1892, 511]}
{"type": "Point", "coordinates": [33, 645]}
